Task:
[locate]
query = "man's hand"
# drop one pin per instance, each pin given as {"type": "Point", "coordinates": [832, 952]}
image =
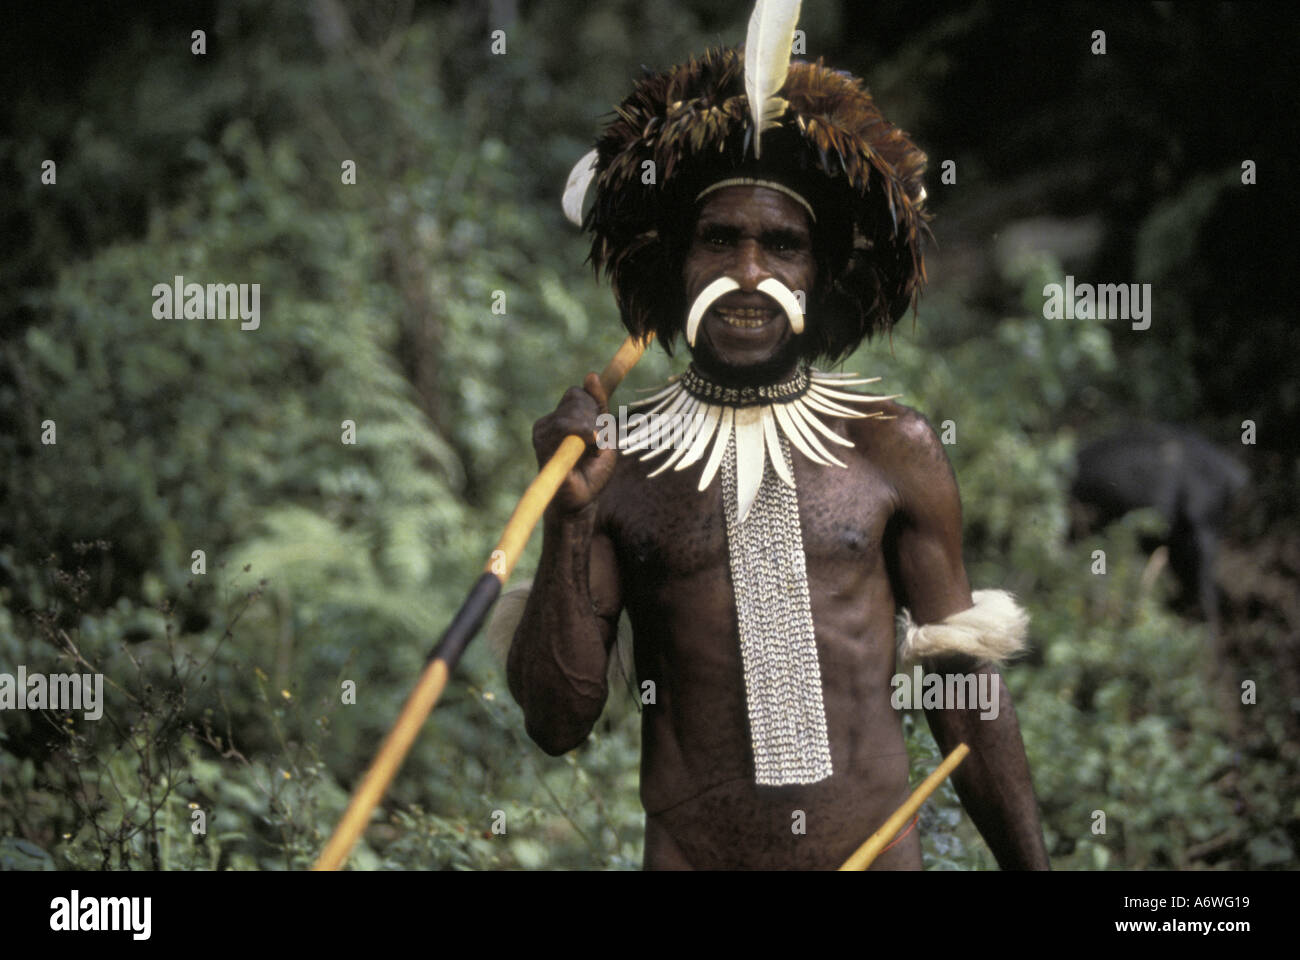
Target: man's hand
{"type": "Point", "coordinates": [576, 416]}
{"type": "Point", "coordinates": [993, 783]}
{"type": "Point", "coordinates": [558, 664]}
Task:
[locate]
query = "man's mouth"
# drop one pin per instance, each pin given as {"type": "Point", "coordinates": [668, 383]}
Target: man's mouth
{"type": "Point", "coordinates": [746, 318]}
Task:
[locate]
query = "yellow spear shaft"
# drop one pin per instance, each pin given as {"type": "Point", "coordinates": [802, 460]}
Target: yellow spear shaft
{"type": "Point", "coordinates": [868, 852]}
{"type": "Point", "coordinates": [465, 625]}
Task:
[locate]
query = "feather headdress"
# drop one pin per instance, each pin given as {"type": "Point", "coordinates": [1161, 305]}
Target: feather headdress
{"type": "Point", "coordinates": [821, 134]}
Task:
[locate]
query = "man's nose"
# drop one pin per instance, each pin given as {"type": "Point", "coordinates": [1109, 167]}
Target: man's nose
{"type": "Point", "coordinates": [750, 267]}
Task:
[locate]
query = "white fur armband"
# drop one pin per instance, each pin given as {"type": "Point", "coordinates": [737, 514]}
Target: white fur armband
{"type": "Point", "coordinates": [994, 629]}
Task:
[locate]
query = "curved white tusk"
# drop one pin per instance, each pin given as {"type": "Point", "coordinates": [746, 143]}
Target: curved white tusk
{"type": "Point", "coordinates": [779, 292]}
{"type": "Point", "coordinates": [705, 300]}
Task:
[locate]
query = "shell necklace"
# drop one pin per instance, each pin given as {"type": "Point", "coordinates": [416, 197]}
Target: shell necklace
{"type": "Point", "coordinates": [693, 416]}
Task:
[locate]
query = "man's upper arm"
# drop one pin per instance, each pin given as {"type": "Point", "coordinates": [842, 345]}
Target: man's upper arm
{"type": "Point", "coordinates": [558, 664]}
{"type": "Point", "coordinates": [606, 592]}
{"type": "Point", "coordinates": [929, 562]}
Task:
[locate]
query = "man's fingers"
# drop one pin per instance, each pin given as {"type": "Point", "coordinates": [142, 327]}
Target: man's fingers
{"type": "Point", "coordinates": [593, 386]}
{"type": "Point", "coordinates": [599, 468]}
{"type": "Point", "coordinates": [577, 416]}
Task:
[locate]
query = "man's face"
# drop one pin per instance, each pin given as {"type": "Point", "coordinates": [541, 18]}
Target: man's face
{"type": "Point", "coordinates": [748, 233]}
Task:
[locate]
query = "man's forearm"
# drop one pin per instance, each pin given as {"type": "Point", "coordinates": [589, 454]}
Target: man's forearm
{"type": "Point", "coordinates": [558, 660]}
{"type": "Point", "coordinates": [993, 782]}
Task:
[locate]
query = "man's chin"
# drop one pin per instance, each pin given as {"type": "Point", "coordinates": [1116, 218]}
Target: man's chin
{"type": "Point", "coordinates": [737, 365]}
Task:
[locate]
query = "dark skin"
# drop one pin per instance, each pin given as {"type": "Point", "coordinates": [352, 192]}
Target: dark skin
{"type": "Point", "coordinates": [882, 534]}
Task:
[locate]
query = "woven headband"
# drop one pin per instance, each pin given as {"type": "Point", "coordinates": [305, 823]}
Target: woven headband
{"type": "Point", "coordinates": [754, 182]}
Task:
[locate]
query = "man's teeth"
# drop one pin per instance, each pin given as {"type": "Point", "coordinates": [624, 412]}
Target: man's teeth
{"type": "Point", "coordinates": [748, 317]}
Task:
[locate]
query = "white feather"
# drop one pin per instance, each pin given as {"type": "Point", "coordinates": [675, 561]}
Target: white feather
{"type": "Point", "coordinates": [575, 191]}
{"type": "Point", "coordinates": [767, 60]}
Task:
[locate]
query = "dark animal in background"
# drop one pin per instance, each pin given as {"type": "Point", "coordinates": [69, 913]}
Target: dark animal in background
{"type": "Point", "coordinates": [1180, 474]}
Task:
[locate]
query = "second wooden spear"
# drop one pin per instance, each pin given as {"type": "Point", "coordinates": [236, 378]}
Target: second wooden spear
{"type": "Point", "coordinates": [875, 844]}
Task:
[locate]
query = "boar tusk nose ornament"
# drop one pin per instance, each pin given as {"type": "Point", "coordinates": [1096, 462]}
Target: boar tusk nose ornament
{"type": "Point", "coordinates": [779, 292]}
{"type": "Point", "coordinates": [773, 287]}
{"type": "Point", "coordinates": [705, 300]}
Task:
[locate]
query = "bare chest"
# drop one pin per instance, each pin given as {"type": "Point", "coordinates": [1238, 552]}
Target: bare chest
{"type": "Point", "coordinates": [665, 529]}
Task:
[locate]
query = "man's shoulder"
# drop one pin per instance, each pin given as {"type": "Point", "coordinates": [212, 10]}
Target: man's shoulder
{"type": "Point", "coordinates": [904, 446]}
{"type": "Point", "coordinates": [900, 439]}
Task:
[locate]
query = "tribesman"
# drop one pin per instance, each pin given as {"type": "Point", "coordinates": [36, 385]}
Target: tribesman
{"type": "Point", "coordinates": [764, 552]}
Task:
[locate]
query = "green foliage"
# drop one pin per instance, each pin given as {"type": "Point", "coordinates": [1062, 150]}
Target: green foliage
{"type": "Point", "coordinates": [177, 436]}
{"type": "Point", "coordinates": [1118, 709]}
